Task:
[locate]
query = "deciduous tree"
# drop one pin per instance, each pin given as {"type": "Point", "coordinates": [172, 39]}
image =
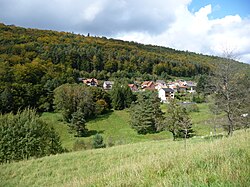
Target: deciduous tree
{"type": "Point", "coordinates": [177, 121]}
{"type": "Point", "coordinates": [232, 92]}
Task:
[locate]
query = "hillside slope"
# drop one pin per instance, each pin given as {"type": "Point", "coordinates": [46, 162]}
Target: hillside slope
{"type": "Point", "coordinates": [34, 62]}
{"type": "Point", "coordinates": [224, 162]}
{"type": "Point", "coordinates": [116, 130]}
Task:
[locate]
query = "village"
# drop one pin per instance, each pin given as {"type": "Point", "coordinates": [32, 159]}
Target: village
{"type": "Point", "coordinates": [166, 90]}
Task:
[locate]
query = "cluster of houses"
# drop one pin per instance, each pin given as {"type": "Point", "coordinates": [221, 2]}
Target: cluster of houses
{"type": "Point", "coordinates": [165, 90]}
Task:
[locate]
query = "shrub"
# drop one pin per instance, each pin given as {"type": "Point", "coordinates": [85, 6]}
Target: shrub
{"type": "Point", "coordinates": [190, 107]}
{"type": "Point", "coordinates": [198, 98]}
{"type": "Point", "coordinates": [98, 141]}
{"type": "Point", "coordinates": [25, 135]}
{"type": "Point", "coordinates": [101, 106]}
{"type": "Point", "coordinates": [110, 142]}
{"type": "Point", "coordinates": [79, 145]}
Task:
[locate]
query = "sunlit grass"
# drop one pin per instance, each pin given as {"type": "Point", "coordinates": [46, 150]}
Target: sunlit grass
{"type": "Point", "coordinates": [116, 130]}
{"type": "Point", "coordinates": [222, 162]}
{"type": "Point", "coordinates": [114, 127]}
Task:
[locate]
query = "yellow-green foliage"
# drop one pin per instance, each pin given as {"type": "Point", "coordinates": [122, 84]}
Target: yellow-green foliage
{"type": "Point", "coordinates": [223, 162]}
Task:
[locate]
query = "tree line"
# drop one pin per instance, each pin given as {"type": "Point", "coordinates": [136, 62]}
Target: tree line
{"type": "Point", "coordinates": [35, 62]}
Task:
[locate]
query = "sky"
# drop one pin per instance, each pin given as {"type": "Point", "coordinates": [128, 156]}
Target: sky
{"type": "Point", "coordinates": [202, 26]}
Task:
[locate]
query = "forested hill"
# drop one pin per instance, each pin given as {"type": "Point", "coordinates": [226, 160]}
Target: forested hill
{"type": "Point", "coordinates": [103, 57]}
{"type": "Point", "coordinates": [34, 62]}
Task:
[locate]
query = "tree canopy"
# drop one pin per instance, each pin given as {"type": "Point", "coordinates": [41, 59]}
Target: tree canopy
{"type": "Point", "coordinates": [25, 135]}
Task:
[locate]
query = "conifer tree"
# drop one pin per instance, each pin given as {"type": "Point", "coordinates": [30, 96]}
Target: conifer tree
{"type": "Point", "coordinates": [6, 100]}
{"type": "Point", "coordinates": [122, 96]}
{"type": "Point", "coordinates": [146, 114]}
{"type": "Point", "coordinates": [98, 142]}
{"type": "Point", "coordinates": [78, 124]}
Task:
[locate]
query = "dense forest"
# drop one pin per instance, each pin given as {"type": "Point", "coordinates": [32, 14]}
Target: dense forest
{"type": "Point", "coordinates": [34, 62]}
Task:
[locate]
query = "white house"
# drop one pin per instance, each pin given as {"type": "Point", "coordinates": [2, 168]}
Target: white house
{"type": "Point", "coordinates": [165, 94]}
{"type": "Point", "coordinates": [192, 86]}
{"type": "Point", "coordinates": [107, 85]}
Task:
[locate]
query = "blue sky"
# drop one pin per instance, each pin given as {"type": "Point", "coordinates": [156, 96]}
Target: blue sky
{"type": "Point", "coordinates": [223, 8]}
{"type": "Point", "coordinates": [202, 26]}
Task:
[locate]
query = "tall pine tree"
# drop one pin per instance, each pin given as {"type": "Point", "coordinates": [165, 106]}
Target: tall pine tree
{"type": "Point", "coordinates": [121, 95]}
{"type": "Point", "coordinates": [77, 124]}
{"type": "Point", "coordinates": [146, 114]}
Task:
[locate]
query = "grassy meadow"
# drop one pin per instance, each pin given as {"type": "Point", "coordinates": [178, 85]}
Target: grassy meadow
{"type": "Point", "coordinates": [219, 162]}
{"type": "Point", "coordinates": [115, 128]}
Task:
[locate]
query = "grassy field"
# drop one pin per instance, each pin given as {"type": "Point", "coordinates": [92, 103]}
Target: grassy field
{"type": "Point", "coordinates": [221, 162]}
{"type": "Point", "coordinates": [115, 128]}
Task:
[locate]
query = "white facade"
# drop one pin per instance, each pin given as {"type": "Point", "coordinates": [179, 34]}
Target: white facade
{"type": "Point", "coordinates": [107, 85]}
{"type": "Point", "coordinates": [165, 94]}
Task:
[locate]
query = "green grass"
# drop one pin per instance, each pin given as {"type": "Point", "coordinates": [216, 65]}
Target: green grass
{"type": "Point", "coordinates": [203, 120]}
{"type": "Point", "coordinates": [115, 128]}
{"type": "Point", "coordinates": [221, 162]}
{"type": "Point", "coordinates": [56, 120]}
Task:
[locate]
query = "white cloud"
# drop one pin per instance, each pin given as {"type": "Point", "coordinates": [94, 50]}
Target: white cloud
{"type": "Point", "coordinates": [196, 32]}
{"type": "Point", "coordinates": [90, 13]}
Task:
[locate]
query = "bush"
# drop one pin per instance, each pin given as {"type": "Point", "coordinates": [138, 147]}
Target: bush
{"type": "Point", "coordinates": [79, 145]}
{"type": "Point", "coordinates": [190, 107]}
{"type": "Point", "coordinates": [101, 106]}
{"type": "Point", "coordinates": [198, 98]}
{"type": "Point", "coordinates": [110, 142]}
{"type": "Point", "coordinates": [98, 141]}
{"type": "Point", "coordinates": [25, 135]}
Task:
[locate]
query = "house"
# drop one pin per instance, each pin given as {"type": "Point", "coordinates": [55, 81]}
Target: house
{"type": "Point", "coordinates": [182, 88]}
{"type": "Point", "coordinates": [160, 84]}
{"type": "Point", "coordinates": [148, 85]}
{"type": "Point", "coordinates": [166, 94]}
{"type": "Point", "coordinates": [91, 82]}
{"type": "Point", "coordinates": [191, 86]}
{"type": "Point", "coordinates": [107, 85]}
{"type": "Point", "coordinates": [173, 87]}
{"type": "Point", "coordinates": [133, 87]}
{"type": "Point", "coordinates": [80, 79]}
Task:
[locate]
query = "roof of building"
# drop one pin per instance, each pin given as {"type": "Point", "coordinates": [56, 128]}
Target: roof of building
{"type": "Point", "coordinates": [86, 81]}
{"type": "Point", "coordinates": [148, 84]}
{"type": "Point", "coordinates": [160, 82]}
{"type": "Point", "coordinates": [132, 85]}
{"type": "Point", "coordinates": [168, 89]}
{"type": "Point", "coordinates": [190, 83]}
{"type": "Point", "coordinates": [108, 82]}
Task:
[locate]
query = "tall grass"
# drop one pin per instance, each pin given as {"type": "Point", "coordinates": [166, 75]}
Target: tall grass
{"type": "Point", "coordinates": [221, 162]}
